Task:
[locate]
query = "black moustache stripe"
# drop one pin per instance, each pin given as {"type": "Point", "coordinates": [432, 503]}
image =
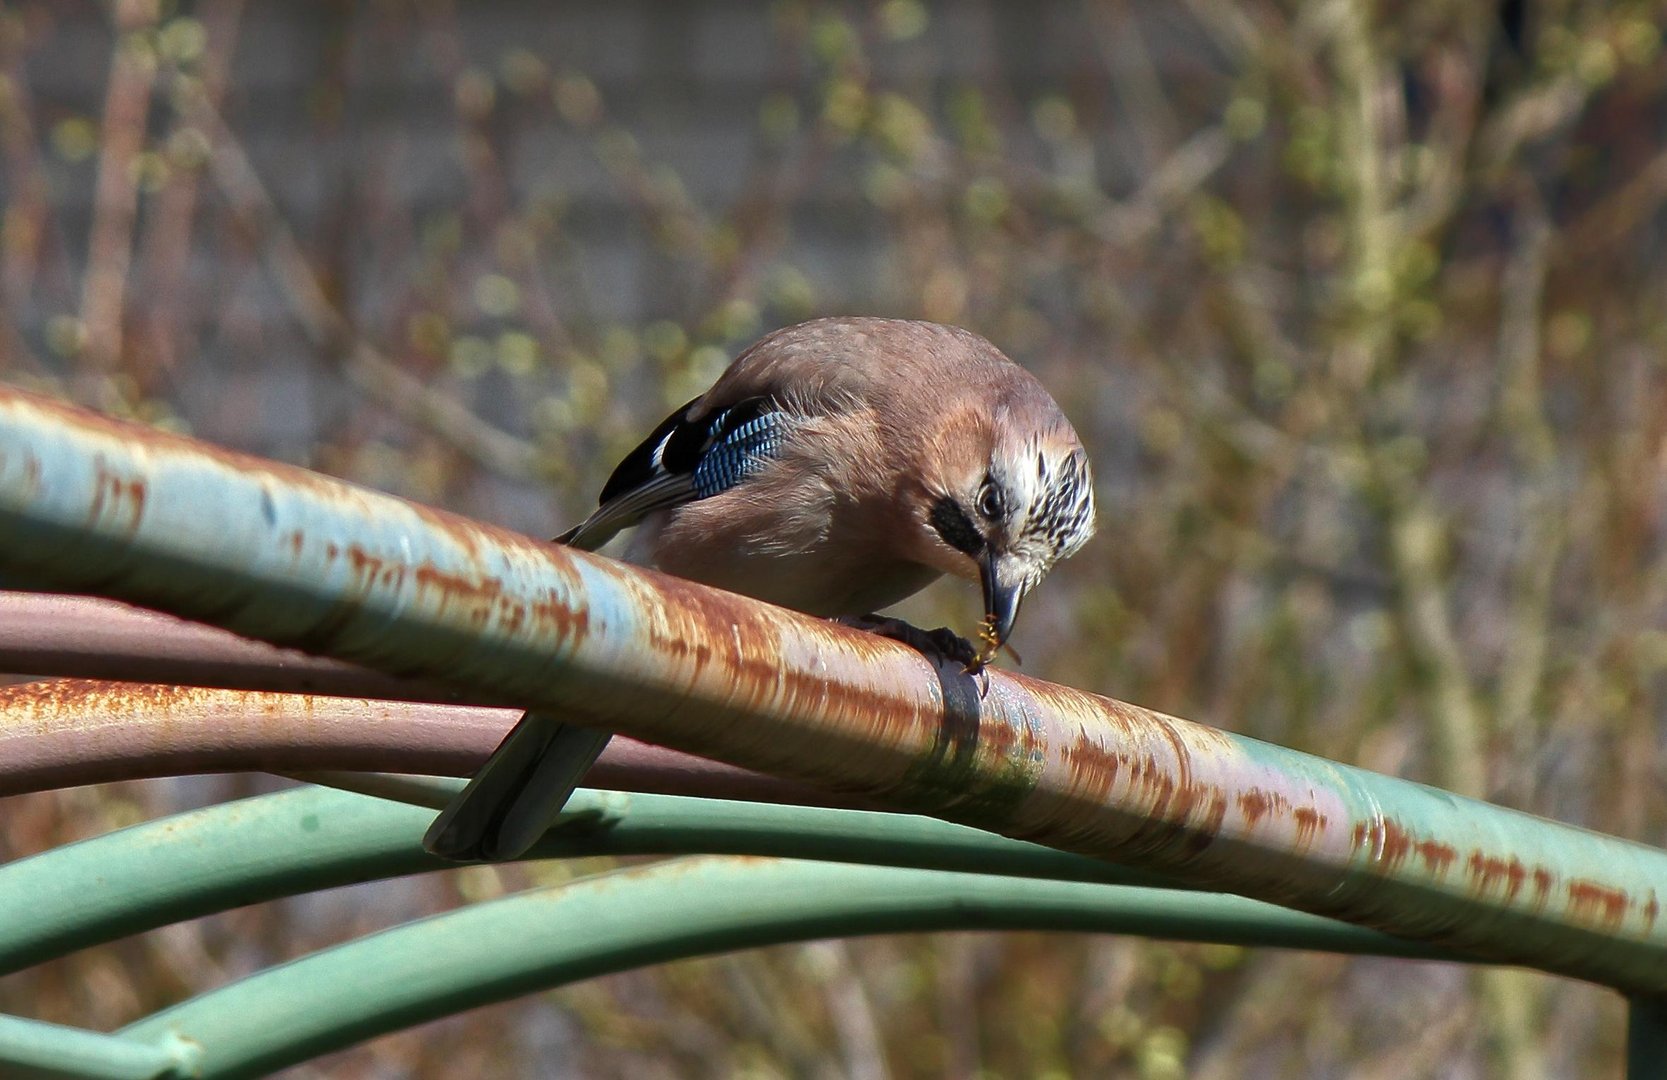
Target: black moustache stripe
{"type": "Point", "coordinates": [956, 527]}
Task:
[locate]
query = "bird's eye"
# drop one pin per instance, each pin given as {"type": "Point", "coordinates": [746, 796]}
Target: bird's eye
{"type": "Point", "coordinates": [990, 503]}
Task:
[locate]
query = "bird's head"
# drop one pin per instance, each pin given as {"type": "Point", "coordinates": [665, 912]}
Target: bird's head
{"type": "Point", "coordinates": [1011, 496]}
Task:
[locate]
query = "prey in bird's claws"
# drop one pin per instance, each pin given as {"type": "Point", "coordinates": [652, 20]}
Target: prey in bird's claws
{"type": "Point", "coordinates": [990, 644]}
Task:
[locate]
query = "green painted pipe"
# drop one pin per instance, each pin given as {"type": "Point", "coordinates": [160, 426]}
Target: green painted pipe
{"type": "Point", "coordinates": [667, 911]}
{"type": "Point", "coordinates": [294, 558]}
{"type": "Point", "coordinates": [36, 1048]}
{"type": "Point", "coordinates": [312, 838]}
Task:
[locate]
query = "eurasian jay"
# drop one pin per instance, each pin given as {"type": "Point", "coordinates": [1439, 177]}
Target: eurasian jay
{"type": "Point", "coordinates": [836, 467]}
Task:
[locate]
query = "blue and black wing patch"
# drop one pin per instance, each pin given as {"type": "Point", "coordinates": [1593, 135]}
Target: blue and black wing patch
{"type": "Point", "coordinates": [742, 439]}
{"type": "Point", "coordinates": [683, 460]}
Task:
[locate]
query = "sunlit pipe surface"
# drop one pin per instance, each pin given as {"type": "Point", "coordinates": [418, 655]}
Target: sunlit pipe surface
{"type": "Point", "coordinates": [66, 732]}
{"type": "Point", "coordinates": [291, 557]}
{"type": "Point", "coordinates": [57, 1050]}
{"type": "Point", "coordinates": [646, 915]}
{"type": "Point", "coordinates": [308, 838]}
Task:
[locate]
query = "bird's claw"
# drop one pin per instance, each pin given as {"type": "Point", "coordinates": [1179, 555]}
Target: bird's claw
{"type": "Point", "coordinates": [942, 642]}
{"type": "Point", "coordinates": [939, 643]}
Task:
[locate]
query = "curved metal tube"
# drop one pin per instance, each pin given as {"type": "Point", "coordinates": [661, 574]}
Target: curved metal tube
{"type": "Point", "coordinates": [65, 732]}
{"type": "Point", "coordinates": [647, 915]}
{"type": "Point", "coordinates": [85, 637]}
{"type": "Point", "coordinates": [272, 710]}
{"type": "Point", "coordinates": [70, 1051]}
{"type": "Point", "coordinates": [313, 838]}
{"type": "Point", "coordinates": [291, 557]}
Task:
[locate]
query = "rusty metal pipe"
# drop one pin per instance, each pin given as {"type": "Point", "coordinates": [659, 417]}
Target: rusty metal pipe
{"type": "Point", "coordinates": [85, 732]}
{"type": "Point", "coordinates": [85, 637]}
{"type": "Point", "coordinates": [297, 559]}
{"type": "Point", "coordinates": [66, 732]}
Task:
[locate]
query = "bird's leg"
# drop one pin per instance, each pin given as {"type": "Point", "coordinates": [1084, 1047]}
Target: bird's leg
{"type": "Point", "coordinates": [942, 642]}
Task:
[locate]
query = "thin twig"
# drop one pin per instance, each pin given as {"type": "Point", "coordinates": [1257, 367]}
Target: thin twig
{"type": "Point", "coordinates": [115, 202]}
{"type": "Point", "coordinates": [365, 367]}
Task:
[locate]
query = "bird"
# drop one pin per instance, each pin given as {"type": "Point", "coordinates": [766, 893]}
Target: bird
{"type": "Point", "coordinates": [835, 467]}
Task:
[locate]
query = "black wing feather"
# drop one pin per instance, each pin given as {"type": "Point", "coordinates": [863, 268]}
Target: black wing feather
{"type": "Point", "coordinates": [638, 467]}
{"type": "Point", "coordinates": [662, 470]}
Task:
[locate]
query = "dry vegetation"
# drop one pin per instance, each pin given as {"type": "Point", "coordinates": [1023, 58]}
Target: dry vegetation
{"type": "Point", "coordinates": [1361, 309]}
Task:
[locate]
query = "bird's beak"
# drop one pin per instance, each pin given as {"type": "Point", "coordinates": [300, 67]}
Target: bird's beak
{"type": "Point", "coordinates": [1004, 587]}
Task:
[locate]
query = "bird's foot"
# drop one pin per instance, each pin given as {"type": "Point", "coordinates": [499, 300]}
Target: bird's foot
{"type": "Point", "coordinates": [942, 642]}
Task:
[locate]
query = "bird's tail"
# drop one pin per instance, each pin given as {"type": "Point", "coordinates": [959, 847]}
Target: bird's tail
{"type": "Point", "coordinates": [516, 795]}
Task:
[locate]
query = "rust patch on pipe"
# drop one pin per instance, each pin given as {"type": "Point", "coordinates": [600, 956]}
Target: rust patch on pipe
{"type": "Point", "coordinates": [1389, 843]}
{"type": "Point", "coordinates": [1177, 813]}
{"type": "Point", "coordinates": [1543, 879]}
{"type": "Point", "coordinates": [1256, 803]}
{"type": "Point", "coordinates": [1488, 871]}
{"type": "Point", "coordinates": [1394, 843]}
{"type": "Point", "coordinates": [69, 731]}
{"type": "Point", "coordinates": [57, 700]}
{"type": "Point", "coordinates": [32, 474]}
{"type": "Point", "coordinates": [686, 632]}
{"type": "Point", "coordinates": [441, 522]}
{"type": "Point", "coordinates": [1094, 769]}
{"type": "Point", "coordinates": [1438, 857]}
{"type": "Point", "coordinates": [79, 694]}
{"type": "Point", "coordinates": [1589, 898]}
{"type": "Point", "coordinates": [1383, 840]}
{"type": "Point", "coordinates": [117, 495]}
{"type": "Point", "coordinates": [1310, 823]}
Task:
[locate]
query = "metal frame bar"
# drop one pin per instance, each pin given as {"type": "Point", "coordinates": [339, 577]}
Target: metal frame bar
{"type": "Point", "coordinates": [88, 504]}
{"type": "Point", "coordinates": [87, 638]}
{"type": "Point", "coordinates": [667, 911]}
{"type": "Point", "coordinates": [311, 838]}
{"type": "Point", "coordinates": [56, 1050]}
{"type": "Point", "coordinates": [406, 603]}
{"type": "Point", "coordinates": [77, 731]}
{"type": "Point", "coordinates": [936, 876]}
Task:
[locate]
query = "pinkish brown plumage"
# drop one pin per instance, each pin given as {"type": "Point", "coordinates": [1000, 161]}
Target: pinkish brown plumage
{"type": "Point", "coordinates": [835, 467]}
